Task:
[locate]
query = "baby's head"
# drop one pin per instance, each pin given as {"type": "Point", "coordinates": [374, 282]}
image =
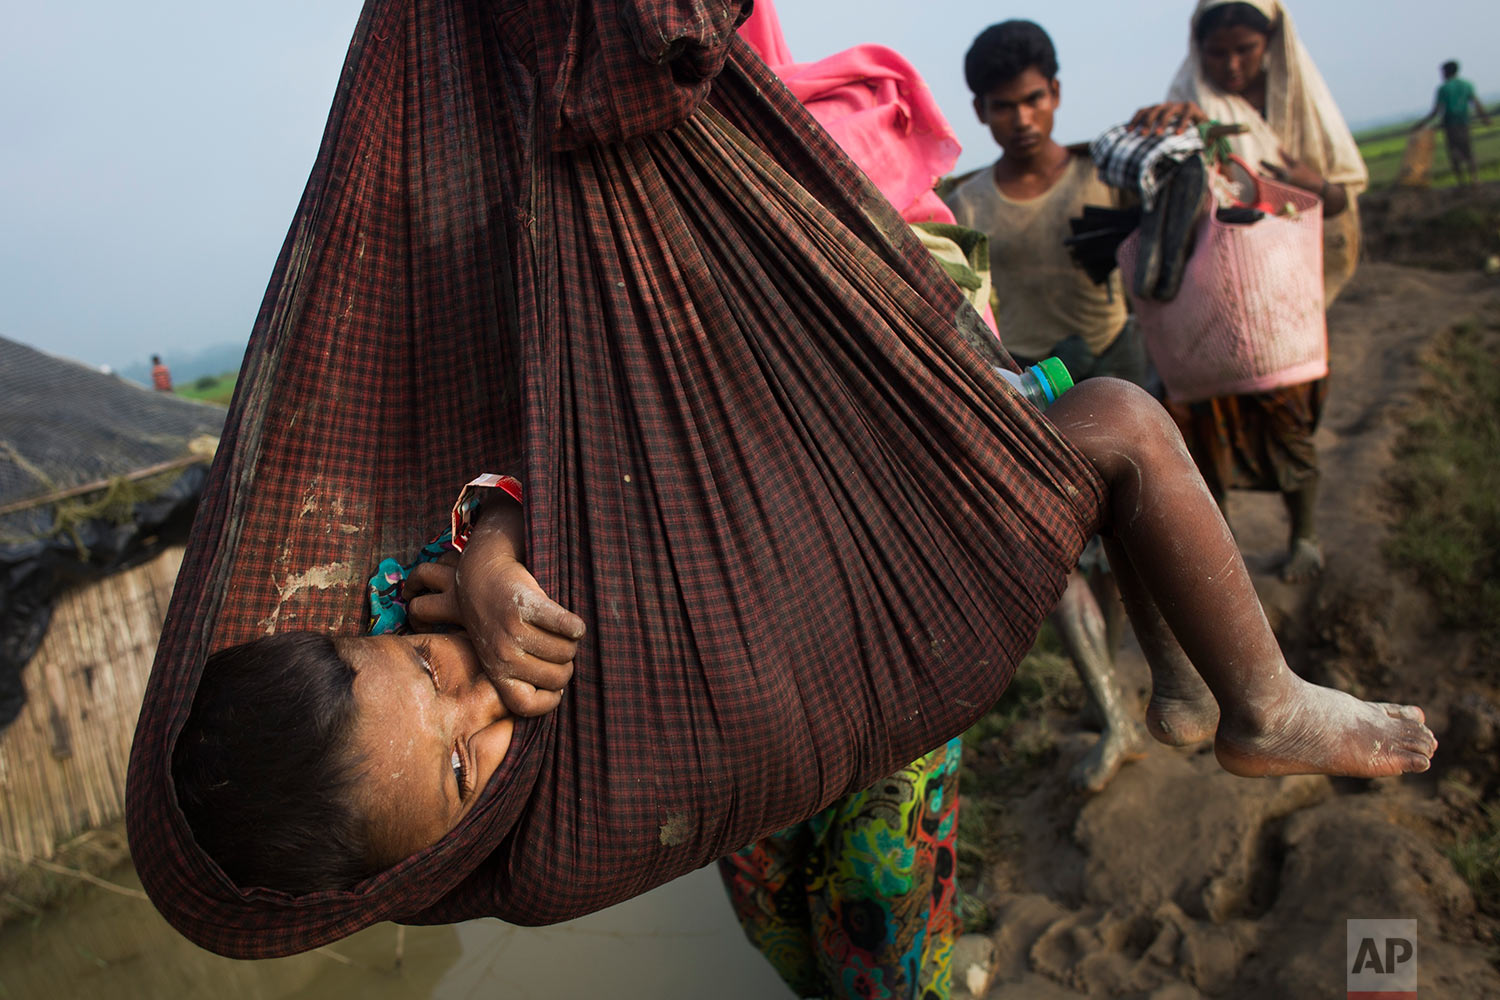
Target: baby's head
{"type": "Point", "coordinates": [310, 762]}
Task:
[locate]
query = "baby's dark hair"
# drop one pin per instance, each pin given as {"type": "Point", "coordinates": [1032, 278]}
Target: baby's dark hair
{"type": "Point", "coordinates": [1004, 51]}
{"type": "Point", "coordinates": [264, 770]}
{"type": "Point", "coordinates": [1231, 15]}
{"type": "Point", "coordinates": [1450, 68]}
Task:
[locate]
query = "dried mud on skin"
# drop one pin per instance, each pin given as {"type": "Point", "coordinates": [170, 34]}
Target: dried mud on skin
{"type": "Point", "coordinates": [1182, 881]}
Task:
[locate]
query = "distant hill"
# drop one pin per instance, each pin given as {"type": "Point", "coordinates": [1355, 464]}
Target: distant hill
{"type": "Point", "coordinates": [188, 365]}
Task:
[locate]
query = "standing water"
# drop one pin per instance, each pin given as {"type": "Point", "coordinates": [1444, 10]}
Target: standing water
{"type": "Point", "coordinates": [680, 940]}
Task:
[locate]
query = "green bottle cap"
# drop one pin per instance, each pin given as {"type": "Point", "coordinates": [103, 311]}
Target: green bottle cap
{"type": "Point", "coordinates": [1056, 374]}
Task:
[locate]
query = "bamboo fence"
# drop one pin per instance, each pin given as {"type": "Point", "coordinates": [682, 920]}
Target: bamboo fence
{"type": "Point", "coordinates": [62, 762]}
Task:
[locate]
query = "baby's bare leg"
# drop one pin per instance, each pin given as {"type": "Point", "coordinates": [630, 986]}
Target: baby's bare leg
{"type": "Point", "coordinates": [1173, 536]}
{"type": "Point", "coordinates": [1182, 710]}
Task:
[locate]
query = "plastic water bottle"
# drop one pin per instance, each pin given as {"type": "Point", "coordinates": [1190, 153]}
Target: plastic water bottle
{"type": "Point", "coordinates": [1042, 383]}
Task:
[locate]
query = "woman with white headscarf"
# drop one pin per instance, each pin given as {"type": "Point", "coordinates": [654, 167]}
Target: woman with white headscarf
{"type": "Point", "coordinates": [1246, 65]}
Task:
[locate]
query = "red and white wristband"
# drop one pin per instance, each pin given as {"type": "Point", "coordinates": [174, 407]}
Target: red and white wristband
{"type": "Point", "coordinates": [470, 499]}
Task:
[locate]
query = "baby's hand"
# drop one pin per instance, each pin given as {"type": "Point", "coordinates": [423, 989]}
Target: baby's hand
{"type": "Point", "coordinates": [431, 594]}
{"type": "Point", "coordinates": [525, 640]}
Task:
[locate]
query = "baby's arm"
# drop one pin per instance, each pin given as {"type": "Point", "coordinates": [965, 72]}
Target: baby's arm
{"type": "Point", "coordinates": [525, 640]}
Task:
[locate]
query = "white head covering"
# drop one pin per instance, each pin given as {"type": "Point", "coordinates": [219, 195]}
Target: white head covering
{"type": "Point", "coordinates": [1301, 116]}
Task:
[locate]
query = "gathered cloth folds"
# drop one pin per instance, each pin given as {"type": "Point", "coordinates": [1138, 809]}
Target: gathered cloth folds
{"type": "Point", "coordinates": [597, 245]}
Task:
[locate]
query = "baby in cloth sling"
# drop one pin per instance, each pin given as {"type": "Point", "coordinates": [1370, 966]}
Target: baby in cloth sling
{"type": "Point", "coordinates": [423, 716]}
{"type": "Point", "coordinates": [809, 530]}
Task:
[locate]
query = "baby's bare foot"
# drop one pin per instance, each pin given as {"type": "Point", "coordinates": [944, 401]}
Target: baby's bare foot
{"type": "Point", "coordinates": [1116, 747]}
{"type": "Point", "coordinates": [1182, 710]}
{"type": "Point", "coordinates": [1317, 730]}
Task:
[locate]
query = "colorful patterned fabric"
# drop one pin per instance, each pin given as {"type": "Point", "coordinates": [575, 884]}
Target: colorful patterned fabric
{"type": "Point", "coordinates": [596, 244]}
{"type": "Point", "coordinates": [858, 901]}
{"type": "Point", "coordinates": [387, 602]}
{"type": "Point", "coordinates": [387, 605]}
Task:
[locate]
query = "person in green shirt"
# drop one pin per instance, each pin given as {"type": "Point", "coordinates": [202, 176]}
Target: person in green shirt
{"type": "Point", "coordinates": [1453, 99]}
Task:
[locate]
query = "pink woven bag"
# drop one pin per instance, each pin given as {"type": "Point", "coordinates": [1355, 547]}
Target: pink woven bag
{"type": "Point", "coordinates": [1249, 316]}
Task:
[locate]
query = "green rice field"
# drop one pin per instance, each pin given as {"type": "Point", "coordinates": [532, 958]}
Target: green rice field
{"type": "Point", "coordinates": [1382, 149]}
{"type": "Point", "coordinates": [210, 388]}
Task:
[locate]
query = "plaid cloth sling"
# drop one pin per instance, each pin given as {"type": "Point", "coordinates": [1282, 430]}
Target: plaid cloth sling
{"type": "Point", "coordinates": [595, 244]}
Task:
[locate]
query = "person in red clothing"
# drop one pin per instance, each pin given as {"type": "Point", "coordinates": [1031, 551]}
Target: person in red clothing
{"type": "Point", "coordinates": [161, 378]}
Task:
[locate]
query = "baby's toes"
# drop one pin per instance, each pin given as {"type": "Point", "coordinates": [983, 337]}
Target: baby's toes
{"type": "Point", "coordinates": [1395, 711]}
{"type": "Point", "coordinates": [1413, 763]}
{"type": "Point", "coordinates": [1419, 738]}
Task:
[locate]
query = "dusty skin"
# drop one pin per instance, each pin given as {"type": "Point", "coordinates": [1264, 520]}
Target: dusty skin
{"type": "Point", "coordinates": [1182, 712]}
{"type": "Point", "coordinates": [1081, 627]}
{"type": "Point", "coordinates": [1180, 880]}
{"type": "Point", "coordinates": [1317, 730]}
{"type": "Point", "coordinates": [1187, 589]}
{"type": "Point", "coordinates": [1302, 729]}
{"type": "Point", "coordinates": [1306, 729]}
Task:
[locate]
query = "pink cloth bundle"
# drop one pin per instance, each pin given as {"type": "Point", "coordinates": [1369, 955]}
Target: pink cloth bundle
{"type": "Point", "coordinates": [877, 108]}
{"type": "Point", "coordinates": [1249, 316]}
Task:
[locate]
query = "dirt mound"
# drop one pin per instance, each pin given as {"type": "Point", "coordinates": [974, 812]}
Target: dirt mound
{"type": "Point", "coordinates": [1181, 881]}
{"type": "Point", "coordinates": [1448, 229]}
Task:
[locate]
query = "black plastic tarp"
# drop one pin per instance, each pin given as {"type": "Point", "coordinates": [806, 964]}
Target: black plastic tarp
{"type": "Point", "coordinates": [64, 425]}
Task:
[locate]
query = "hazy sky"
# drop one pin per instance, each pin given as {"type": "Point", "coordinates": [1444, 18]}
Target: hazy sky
{"type": "Point", "coordinates": [153, 152]}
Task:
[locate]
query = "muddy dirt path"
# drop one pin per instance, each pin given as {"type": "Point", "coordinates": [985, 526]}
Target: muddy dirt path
{"type": "Point", "coordinates": [1179, 880]}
